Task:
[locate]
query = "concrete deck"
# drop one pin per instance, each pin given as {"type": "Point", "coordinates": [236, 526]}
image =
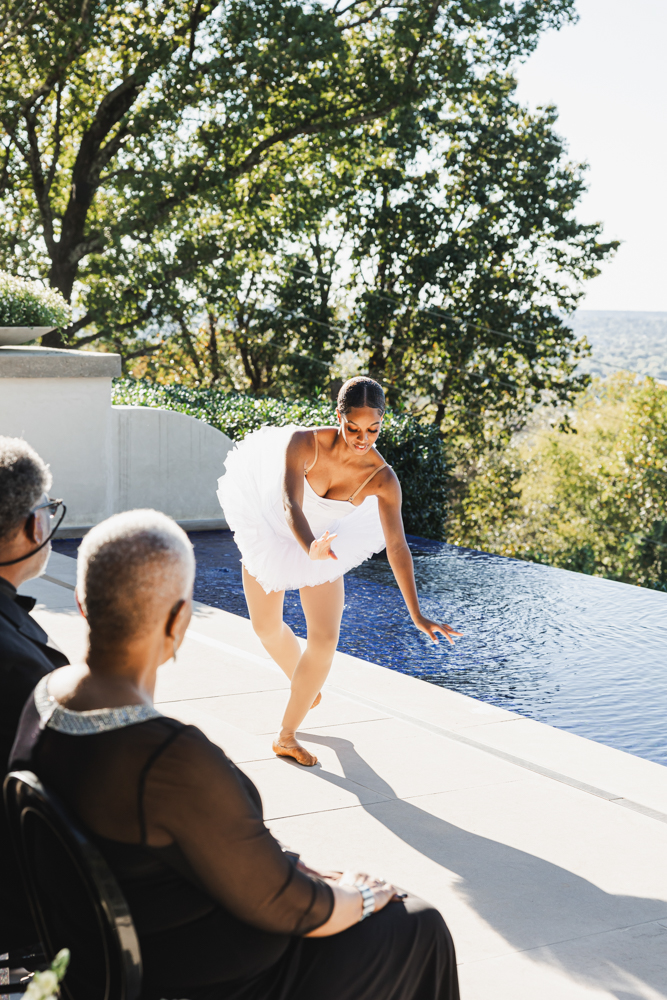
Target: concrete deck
{"type": "Point", "coordinates": [545, 852]}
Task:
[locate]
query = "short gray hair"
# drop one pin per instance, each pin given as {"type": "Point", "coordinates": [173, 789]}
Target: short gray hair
{"type": "Point", "coordinates": [24, 478]}
{"type": "Point", "coordinates": [131, 569]}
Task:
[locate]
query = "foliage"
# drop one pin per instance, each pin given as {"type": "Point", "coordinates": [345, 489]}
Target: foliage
{"type": "Point", "coordinates": [415, 452]}
{"type": "Point", "coordinates": [594, 501]}
{"type": "Point", "coordinates": [466, 268]}
{"type": "Point", "coordinates": [282, 348]}
{"type": "Point", "coordinates": [413, 449]}
{"type": "Point", "coordinates": [127, 125]}
{"type": "Point", "coordinates": [267, 196]}
{"type": "Point", "coordinates": [235, 414]}
{"type": "Point", "coordinates": [45, 985]}
{"type": "Point", "coordinates": [449, 285]}
{"type": "Point", "coordinates": [182, 167]}
{"type": "Point", "coordinates": [29, 303]}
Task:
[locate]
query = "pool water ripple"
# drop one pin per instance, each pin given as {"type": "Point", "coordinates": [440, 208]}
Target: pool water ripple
{"type": "Point", "coordinates": [584, 654]}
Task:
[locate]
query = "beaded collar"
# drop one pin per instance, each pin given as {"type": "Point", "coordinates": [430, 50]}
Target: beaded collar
{"type": "Point", "coordinates": [98, 720]}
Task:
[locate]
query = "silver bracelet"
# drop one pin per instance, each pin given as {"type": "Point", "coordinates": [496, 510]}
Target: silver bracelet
{"type": "Point", "coordinates": [369, 900]}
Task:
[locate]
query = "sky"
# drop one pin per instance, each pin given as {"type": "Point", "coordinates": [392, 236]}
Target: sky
{"type": "Point", "coordinates": [607, 75]}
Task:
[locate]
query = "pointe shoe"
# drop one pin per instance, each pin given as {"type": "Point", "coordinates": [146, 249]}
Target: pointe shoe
{"type": "Point", "coordinates": [300, 754]}
{"type": "Point", "coordinates": [317, 700]}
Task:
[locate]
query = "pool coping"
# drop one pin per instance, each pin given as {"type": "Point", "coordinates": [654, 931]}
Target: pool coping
{"type": "Point", "coordinates": [614, 775]}
{"type": "Point", "coordinates": [352, 677]}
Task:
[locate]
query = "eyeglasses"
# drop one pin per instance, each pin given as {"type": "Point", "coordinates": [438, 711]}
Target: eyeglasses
{"type": "Point", "coordinates": [52, 506]}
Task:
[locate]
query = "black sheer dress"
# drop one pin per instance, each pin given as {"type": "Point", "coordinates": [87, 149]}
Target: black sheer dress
{"type": "Point", "coordinates": [220, 909]}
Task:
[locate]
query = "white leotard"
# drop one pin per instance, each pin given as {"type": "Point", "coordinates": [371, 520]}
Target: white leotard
{"type": "Point", "coordinates": [250, 494]}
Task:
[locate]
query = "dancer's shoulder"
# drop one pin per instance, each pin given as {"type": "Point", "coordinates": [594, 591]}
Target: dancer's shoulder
{"type": "Point", "coordinates": [386, 480]}
{"type": "Point", "coordinates": [305, 437]}
{"type": "Point", "coordinates": [303, 445]}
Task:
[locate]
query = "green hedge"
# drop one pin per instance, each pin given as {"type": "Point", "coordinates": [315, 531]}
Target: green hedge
{"type": "Point", "coordinates": [413, 449]}
{"type": "Point", "coordinates": [27, 303]}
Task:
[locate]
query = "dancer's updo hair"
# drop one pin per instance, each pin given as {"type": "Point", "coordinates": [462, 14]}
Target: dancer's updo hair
{"type": "Point", "coordinates": [361, 391]}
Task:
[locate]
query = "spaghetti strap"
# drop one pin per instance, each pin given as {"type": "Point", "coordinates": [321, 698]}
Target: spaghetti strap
{"type": "Point", "coordinates": [367, 481]}
{"type": "Point", "coordinates": [317, 451]}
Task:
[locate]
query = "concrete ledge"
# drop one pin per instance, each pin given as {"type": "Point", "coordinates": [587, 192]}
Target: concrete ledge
{"type": "Point", "coordinates": [50, 362]}
{"type": "Point", "coordinates": [73, 531]}
{"type": "Point", "coordinates": [615, 776]}
{"type": "Point", "coordinates": [214, 524]}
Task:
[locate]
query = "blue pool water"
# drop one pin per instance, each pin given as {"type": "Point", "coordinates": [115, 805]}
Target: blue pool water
{"type": "Point", "coordinates": [574, 651]}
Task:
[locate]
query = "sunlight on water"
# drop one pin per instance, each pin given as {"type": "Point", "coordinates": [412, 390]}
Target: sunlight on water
{"type": "Point", "coordinates": [574, 651]}
{"type": "Point", "coordinates": [581, 653]}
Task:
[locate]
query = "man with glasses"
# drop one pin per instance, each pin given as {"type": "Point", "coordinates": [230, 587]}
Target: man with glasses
{"type": "Point", "coordinates": [28, 520]}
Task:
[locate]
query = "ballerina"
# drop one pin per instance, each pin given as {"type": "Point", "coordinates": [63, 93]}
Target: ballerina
{"type": "Point", "coordinates": [306, 505]}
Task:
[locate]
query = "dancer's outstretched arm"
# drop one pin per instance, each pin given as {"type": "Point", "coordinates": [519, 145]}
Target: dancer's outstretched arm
{"type": "Point", "coordinates": [400, 557]}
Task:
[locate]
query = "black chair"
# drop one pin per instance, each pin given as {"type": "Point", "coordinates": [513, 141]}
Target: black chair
{"type": "Point", "coordinates": [75, 899]}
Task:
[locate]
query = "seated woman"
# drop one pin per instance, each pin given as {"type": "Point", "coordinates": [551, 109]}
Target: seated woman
{"type": "Point", "coordinates": [221, 910]}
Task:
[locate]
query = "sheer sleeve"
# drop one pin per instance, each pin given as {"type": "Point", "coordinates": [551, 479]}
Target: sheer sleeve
{"type": "Point", "coordinates": [194, 793]}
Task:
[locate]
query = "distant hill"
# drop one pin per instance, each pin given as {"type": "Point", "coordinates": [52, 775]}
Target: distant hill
{"type": "Point", "coordinates": [633, 340]}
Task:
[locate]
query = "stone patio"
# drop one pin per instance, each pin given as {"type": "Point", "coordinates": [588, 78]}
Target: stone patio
{"type": "Point", "coordinates": [544, 851]}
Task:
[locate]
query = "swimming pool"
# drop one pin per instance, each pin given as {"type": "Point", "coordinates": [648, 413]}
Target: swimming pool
{"type": "Point", "coordinates": [577, 652]}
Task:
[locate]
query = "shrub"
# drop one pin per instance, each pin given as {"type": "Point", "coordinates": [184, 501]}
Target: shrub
{"type": "Point", "coordinates": [594, 501]}
{"type": "Point", "coordinates": [413, 449]}
{"type": "Point", "coordinates": [415, 452]}
{"type": "Point", "coordinates": [27, 303]}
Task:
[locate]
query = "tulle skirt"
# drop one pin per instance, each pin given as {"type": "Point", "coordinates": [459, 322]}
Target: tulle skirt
{"type": "Point", "coordinates": [250, 494]}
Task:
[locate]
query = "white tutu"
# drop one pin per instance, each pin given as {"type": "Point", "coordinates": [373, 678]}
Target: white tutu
{"type": "Point", "coordinates": [250, 494]}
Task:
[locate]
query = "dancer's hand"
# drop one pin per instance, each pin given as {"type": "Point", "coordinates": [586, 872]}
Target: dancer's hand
{"type": "Point", "coordinates": [431, 628]}
{"type": "Point", "coordinates": [321, 547]}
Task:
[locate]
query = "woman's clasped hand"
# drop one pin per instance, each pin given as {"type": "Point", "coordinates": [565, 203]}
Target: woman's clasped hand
{"type": "Point", "coordinates": [383, 891]}
{"type": "Point", "coordinates": [349, 901]}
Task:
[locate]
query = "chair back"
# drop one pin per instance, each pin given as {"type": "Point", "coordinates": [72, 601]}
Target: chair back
{"type": "Point", "coordinates": [76, 900]}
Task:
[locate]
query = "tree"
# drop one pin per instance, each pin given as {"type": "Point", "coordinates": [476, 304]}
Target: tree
{"type": "Point", "coordinates": [448, 283]}
{"type": "Point", "coordinates": [593, 501]}
{"type": "Point", "coordinates": [465, 268]}
{"type": "Point", "coordinates": [287, 347]}
{"type": "Point", "coordinates": [126, 124]}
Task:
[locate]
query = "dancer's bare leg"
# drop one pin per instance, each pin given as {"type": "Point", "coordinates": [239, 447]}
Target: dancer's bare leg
{"type": "Point", "coordinates": [266, 615]}
{"type": "Point", "coordinates": [323, 608]}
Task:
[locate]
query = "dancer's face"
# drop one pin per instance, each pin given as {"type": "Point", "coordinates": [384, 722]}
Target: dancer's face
{"type": "Point", "coordinates": [360, 427]}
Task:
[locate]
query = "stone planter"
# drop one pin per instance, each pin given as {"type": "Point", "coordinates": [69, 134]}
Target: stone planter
{"type": "Point", "coordinates": [22, 334]}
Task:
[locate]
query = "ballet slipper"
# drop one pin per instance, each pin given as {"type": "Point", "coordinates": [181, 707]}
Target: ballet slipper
{"type": "Point", "coordinates": [300, 754]}
{"type": "Point", "coordinates": [317, 700]}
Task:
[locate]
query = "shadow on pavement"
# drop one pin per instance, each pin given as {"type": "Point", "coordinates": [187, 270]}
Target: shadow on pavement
{"type": "Point", "coordinates": [538, 907]}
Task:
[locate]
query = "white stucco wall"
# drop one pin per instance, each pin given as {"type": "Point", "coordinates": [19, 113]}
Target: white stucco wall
{"type": "Point", "coordinates": [168, 461]}
{"type": "Point", "coordinates": [107, 459]}
{"type": "Point", "coordinates": [68, 422]}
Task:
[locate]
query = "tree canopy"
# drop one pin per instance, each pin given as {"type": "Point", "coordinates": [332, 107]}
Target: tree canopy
{"type": "Point", "coordinates": [248, 193]}
{"type": "Point", "coordinates": [122, 121]}
{"type": "Point", "coordinates": [592, 501]}
{"type": "Point", "coordinates": [439, 251]}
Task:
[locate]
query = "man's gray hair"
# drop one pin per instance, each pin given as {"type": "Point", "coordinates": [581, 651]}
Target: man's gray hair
{"type": "Point", "coordinates": [23, 479]}
{"type": "Point", "coordinates": [132, 569]}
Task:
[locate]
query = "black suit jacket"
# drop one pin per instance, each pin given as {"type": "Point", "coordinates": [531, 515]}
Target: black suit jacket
{"type": "Point", "coordinates": [26, 654]}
